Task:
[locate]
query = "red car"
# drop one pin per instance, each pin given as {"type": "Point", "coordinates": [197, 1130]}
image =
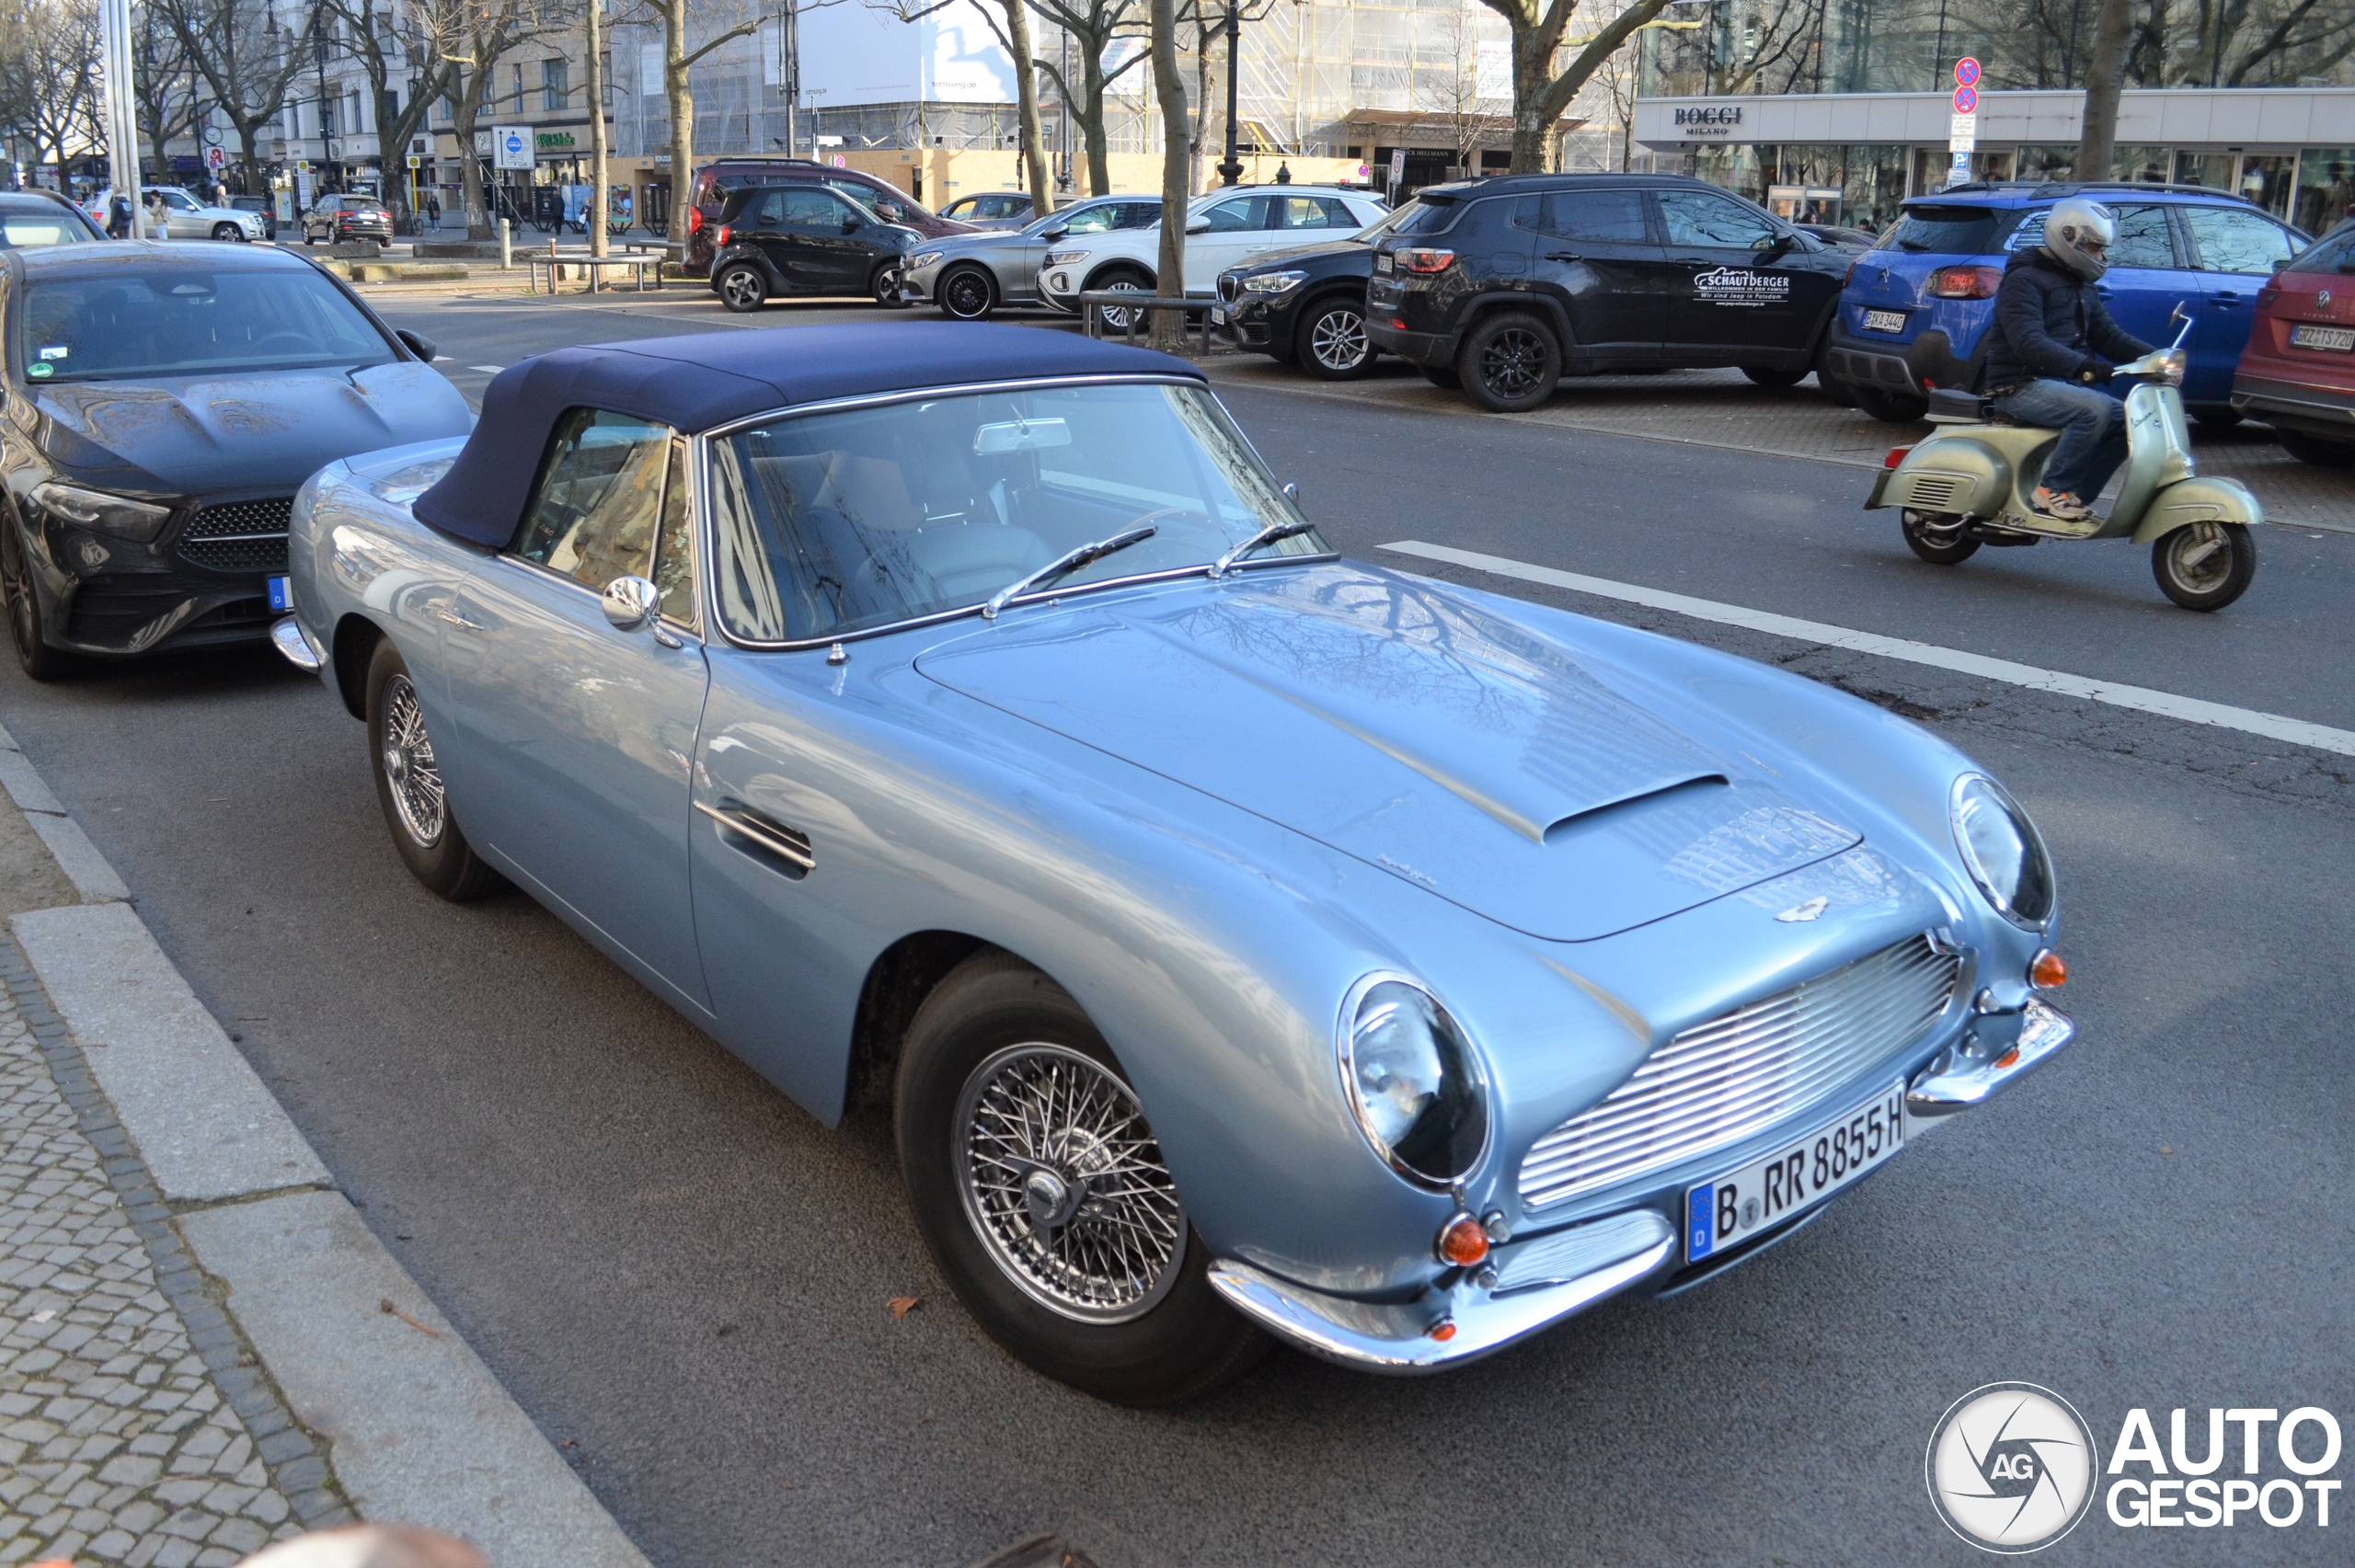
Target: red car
{"type": "Point", "coordinates": [2298, 372]}
{"type": "Point", "coordinates": [715, 182]}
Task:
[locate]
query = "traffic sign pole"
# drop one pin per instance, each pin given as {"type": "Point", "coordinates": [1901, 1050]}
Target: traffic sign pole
{"type": "Point", "coordinates": [1962, 130]}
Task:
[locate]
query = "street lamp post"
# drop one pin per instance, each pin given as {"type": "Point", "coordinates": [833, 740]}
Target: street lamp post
{"type": "Point", "coordinates": [122, 118]}
{"type": "Point", "coordinates": [1232, 170]}
{"type": "Point", "coordinates": [319, 60]}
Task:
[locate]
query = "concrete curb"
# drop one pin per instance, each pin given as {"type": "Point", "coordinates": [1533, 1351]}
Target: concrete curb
{"type": "Point", "coordinates": [418, 1429]}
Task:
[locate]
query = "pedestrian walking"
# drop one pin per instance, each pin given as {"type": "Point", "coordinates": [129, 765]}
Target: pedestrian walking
{"type": "Point", "coordinates": [117, 216]}
{"type": "Point", "coordinates": [433, 208]}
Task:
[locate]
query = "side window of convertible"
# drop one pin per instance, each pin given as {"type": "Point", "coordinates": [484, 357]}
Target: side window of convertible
{"type": "Point", "coordinates": [597, 505]}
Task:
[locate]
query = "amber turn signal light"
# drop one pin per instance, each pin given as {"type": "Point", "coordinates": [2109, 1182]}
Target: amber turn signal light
{"type": "Point", "coordinates": [1463, 1241]}
{"type": "Point", "coordinates": [2049, 969]}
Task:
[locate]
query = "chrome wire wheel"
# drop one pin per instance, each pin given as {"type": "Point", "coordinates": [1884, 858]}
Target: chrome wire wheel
{"type": "Point", "coordinates": [1513, 363]}
{"type": "Point", "coordinates": [1336, 339]}
{"type": "Point", "coordinates": [1062, 1182]}
{"type": "Point", "coordinates": [408, 764]}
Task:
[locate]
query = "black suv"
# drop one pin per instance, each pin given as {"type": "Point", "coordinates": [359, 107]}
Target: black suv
{"type": "Point", "coordinates": [805, 239]}
{"type": "Point", "coordinates": [1505, 286]}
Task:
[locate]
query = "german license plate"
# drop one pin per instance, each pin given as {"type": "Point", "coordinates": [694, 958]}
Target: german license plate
{"type": "Point", "coordinates": [1218, 316]}
{"type": "Point", "coordinates": [1884, 321]}
{"type": "Point", "coordinates": [1382, 262]}
{"type": "Point", "coordinates": [1764, 1193]}
{"type": "Point", "coordinates": [281, 596]}
{"type": "Point", "coordinates": [2305, 335]}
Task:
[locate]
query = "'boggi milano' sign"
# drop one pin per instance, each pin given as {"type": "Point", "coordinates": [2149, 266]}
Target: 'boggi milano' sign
{"type": "Point", "coordinates": [1708, 121]}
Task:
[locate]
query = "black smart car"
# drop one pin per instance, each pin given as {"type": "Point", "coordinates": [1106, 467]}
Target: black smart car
{"type": "Point", "coordinates": [805, 239]}
{"type": "Point", "coordinates": [1303, 306]}
{"type": "Point", "coordinates": [160, 406]}
{"type": "Point", "coordinates": [1505, 286]}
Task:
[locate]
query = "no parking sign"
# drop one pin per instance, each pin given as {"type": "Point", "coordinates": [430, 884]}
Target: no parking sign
{"type": "Point", "coordinates": [1966, 73]}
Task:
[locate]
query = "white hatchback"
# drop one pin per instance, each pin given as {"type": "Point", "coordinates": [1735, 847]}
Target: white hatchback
{"type": "Point", "coordinates": [1226, 227]}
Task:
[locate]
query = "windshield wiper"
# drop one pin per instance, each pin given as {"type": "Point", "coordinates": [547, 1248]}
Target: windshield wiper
{"type": "Point", "coordinates": [1071, 561]}
{"type": "Point", "coordinates": [1267, 535]}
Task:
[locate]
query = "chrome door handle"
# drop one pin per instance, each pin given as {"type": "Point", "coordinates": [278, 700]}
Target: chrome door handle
{"type": "Point", "coordinates": [787, 846]}
{"type": "Point", "coordinates": [1564, 256]}
{"type": "Point", "coordinates": [457, 620]}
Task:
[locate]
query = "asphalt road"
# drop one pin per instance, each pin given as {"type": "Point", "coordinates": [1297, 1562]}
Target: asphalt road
{"type": "Point", "coordinates": [684, 1277]}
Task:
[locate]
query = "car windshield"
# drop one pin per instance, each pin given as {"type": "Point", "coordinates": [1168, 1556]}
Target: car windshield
{"type": "Point", "coordinates": [119, 325]}
{"type": "Point", "coordinates": [1426, 214]}
{"type": "Point", "coordinates": [834, 523]}
{"type": "Point", "coordinates": [1948, 229]}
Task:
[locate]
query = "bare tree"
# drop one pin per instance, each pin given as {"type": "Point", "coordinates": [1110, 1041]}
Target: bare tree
{"type": "Point", "coordinates": [467, 39]}
{"type": "Point", "coordinates": [50, 72]}
{"type": "Point", "coordinates": [1096, 27]}
{"type": "Point", "coordinates": [1541, 91]}
{"type": "Point", "coordinates": [398, 47]}
{"type": "Point", "coordinates": [721, 23]}
{"type": "Point", "coordinates": [169, 91]}
{"type": "Point", "coordinates": [1169, 326]}
{"type": "Point", "coordinates": [2113, 41]}
{"type": "Point", "coordinates": [1450, 95]}
{"type": "Point", "coordinates": [247, 61]}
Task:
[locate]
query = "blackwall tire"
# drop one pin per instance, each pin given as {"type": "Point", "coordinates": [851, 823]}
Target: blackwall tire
{"type": "Point", "coordinates": [1330, 343]}
{"type": "Point", "coordinates": [1510, 362]}
{"type": "Point", "coordinates": [1762, 375]}
{"type": "Point", "coordinates": [741, 288]}
{"type": "Point", "coordinates": [967, 294]}
{"type": "Point", "coordinates": [1891, 407]}
{"type": "Point", "coordinates": [2316, 451]}
{"type": "Point", "coordinates": [1018, 1255]}
{"type": "Point", "coordinates": [1937, 540]}
{"type": "Point", "coordinates": [408, 786]}
{"type": "Point", "coordinates": [27, 621]}
{"type": "Point", "coordinates": [2205, 565]}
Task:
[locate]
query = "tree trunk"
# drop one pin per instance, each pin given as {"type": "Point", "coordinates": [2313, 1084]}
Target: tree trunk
{"type": "Point", "coordinates": [1169, 326]}
{"type": "Point", "coordinates": [682, 117]}
{"type": "Point", "coordinates": [1531, 71]}
{"type": "Point", "coordinates": [596, 36]}
{"type": "Point", "coordinates": [1026, 98]}
{"type": "Point", "coordinates": [461, 124]}
{"type": "Point", "coordinates": [2105, 80]}
{"type": "Point", "coordinates": [1091, 127]}
{"type": "Point", "coordinates": [250, 174]}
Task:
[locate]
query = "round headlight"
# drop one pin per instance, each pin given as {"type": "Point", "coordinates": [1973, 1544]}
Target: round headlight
{"type": "Point", "coordinates": [1413, 1082]}
{"type": "Point", "coordinates": [2004, 851]}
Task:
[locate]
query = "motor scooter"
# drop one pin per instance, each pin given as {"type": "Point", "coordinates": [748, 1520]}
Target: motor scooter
{"type": "Point", "coordinates": [1969, 483]}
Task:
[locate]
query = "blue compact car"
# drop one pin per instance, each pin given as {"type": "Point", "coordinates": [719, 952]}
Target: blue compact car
{"type": "Point", "coordinates": [1251, 946]}
{"type": "Point", "coordinates": [1940, 263]}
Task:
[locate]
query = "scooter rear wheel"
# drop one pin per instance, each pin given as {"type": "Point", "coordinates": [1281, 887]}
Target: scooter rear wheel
{"type": "Point", "coordinates": [2205, 565]}
{"type": "Point", "coordinates": [1937, 540]}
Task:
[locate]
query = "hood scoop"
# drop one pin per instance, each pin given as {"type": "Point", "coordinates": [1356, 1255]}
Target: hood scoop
{"type": "Point", "coordinates": [1417, 732]}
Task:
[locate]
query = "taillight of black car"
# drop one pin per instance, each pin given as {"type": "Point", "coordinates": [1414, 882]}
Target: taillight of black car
{"type": "Point", "coordinates": [1423, 260]}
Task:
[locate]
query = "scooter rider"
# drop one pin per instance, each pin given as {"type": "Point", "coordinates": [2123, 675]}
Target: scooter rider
{"type": "Point", "coordinates": [2054, 343]}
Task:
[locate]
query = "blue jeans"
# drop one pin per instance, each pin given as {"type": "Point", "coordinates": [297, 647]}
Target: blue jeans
{"type": "Point", "coordinates": [2093, 433]}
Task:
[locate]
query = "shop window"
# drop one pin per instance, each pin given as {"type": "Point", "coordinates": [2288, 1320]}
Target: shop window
{"type": "Point", "coordinates": [2213, 170]}
{"type": "Point", "coordinates": [2325, 188]}
{"type": "Point", "coordinates": [2144, 165]}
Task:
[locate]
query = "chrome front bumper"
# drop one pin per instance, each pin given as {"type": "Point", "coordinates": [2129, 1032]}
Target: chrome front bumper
{"type": "Point", "coordinates": [294, 644]}
{"type": "Point", "coordinates": [1529, 1286]}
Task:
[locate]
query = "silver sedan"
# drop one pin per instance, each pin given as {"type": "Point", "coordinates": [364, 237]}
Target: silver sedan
{"type": "Point", "coordinates": [973, 275]}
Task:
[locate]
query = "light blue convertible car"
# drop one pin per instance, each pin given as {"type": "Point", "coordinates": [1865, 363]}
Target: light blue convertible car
{"type": "Point", "coordinates": [1251, 944]}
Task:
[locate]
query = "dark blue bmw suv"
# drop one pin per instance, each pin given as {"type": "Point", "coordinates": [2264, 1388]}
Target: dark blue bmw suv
{"type": "Point", "coordinates": [1939, 265]}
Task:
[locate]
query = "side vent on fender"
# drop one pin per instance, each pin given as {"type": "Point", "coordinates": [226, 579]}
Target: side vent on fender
{"type": "Point", "coordinates": [762, 837]}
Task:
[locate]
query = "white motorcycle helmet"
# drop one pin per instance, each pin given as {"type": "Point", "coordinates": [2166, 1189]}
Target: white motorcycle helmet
{"type": "Point", "coordinates": [2071, 226]}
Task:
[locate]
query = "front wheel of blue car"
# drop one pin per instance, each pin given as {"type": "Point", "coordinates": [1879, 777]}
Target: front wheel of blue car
{"type": "Point", "coordinates": [409, 785]}
{"type": "Point", "coordinates": [1043, 1192]}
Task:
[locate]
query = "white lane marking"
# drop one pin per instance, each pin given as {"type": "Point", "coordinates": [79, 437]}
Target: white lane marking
{"type": "Point", "coordinates": [2193, 710]}
{"type": "Point", "coordinates": [488, 369]}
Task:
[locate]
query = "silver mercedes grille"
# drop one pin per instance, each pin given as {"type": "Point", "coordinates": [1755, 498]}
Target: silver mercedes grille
{"type": "Point", "coordinates": [1720, 1081]}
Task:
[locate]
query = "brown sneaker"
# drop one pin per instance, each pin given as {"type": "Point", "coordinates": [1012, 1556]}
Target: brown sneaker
{"type": "Point", "coordinates": [2065, 507]}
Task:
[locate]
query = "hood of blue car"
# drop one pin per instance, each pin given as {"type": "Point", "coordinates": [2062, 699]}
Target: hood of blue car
{"type": "Point", "coordinates": [202, 435]}
{"type": "Point", "coordinates": [1417, 731]}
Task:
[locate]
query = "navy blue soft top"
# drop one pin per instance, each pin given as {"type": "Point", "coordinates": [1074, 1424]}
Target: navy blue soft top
{"type": "Point", "coordinates": [698, 383]}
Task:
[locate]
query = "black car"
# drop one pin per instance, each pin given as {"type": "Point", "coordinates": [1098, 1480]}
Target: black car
{"type": "Point", "coordinates": [30, 219]}
{"type": "Point", "coordinates": [160, 406]}
{"type": "Point", "coordinates": [1303, 306]}
{"type": "Point", "coordinates": [339, 216]}
{"type": "Point", "coordinates": [1506, 286]}
{"type": "Point", "coordinates": [264, 205]}
{"type": "Point", "coordinates": [805, 239]}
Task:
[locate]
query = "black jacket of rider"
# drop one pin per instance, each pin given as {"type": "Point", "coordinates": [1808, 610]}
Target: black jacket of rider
{"type": "Point", "coordinates": [2049, 324]}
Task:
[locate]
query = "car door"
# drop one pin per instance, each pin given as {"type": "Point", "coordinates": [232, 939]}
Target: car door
{"type": "Point", "coordinates": [1596, 256]}
{"type": "Point", "coordinates": [574, 739]}
{"type": "Point", "coordinates": [2234, 251]}
{"type": "Point", "coordinates": [2147, 277]}
{"type": "Point", "coordinates": [1737, 288]}
{"type": "Point", "coordinates": [819, 242]}
{"type": "Point", "coordinates": [1238, 227]}
{"type": "Point", "coordinates": [762, 226]}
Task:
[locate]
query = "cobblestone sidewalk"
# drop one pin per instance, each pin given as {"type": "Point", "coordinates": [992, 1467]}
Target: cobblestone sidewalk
{"type": "Point", "coordinates": [133, 1427]}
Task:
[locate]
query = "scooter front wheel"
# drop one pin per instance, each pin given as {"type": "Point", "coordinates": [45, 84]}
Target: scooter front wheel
{"type": "Point", "coordinates": [2205, 565]}
{"type": "Point", "coordinates": [1937, 540]}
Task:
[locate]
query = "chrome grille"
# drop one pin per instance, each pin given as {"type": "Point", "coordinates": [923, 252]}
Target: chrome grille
{"type": "Point", "coordinates": [1230, 288]}
{"type": "Point", "coordinates": [239, 536]}
{"type": "Point", "coordinates": [1720, 1081]}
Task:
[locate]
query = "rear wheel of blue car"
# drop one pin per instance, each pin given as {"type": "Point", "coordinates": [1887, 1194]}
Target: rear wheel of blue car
{"type": "Point", "coordinates": [1043, 1194]}
{"type": "Point", "coordinates": [408, 786]}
